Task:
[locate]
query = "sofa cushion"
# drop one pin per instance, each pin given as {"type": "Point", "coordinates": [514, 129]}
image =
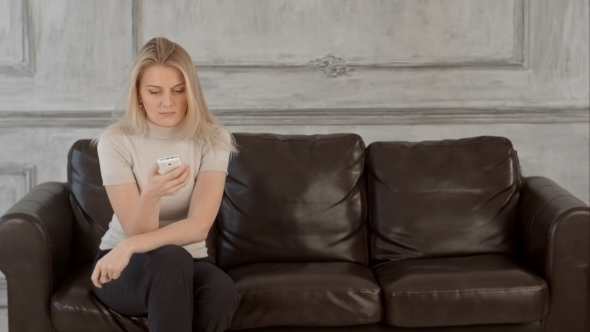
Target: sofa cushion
{"type": "Point", "coordinates": [89, 200]}
{"type": "Point", "coordinates": [85, 183]}
{"type": "Point", "coordinates": [306, 294]}
{"type": "Point", "coordinates": [294, 198]}
{"type": "Point", "coordinates": [443, 198]}
{"type": "Point", "coordinates": [74, 308]}
{"type": "Point", "coordinates": [482, 289]}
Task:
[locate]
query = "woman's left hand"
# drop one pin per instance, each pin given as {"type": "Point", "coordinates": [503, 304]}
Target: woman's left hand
{"type": "Point", "coordinates": [111, 265]}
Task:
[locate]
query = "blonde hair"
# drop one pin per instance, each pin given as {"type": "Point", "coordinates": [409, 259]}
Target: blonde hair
{"type": "Point", "coordinates": [198, 123]}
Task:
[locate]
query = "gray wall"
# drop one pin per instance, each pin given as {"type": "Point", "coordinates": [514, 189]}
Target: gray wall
{"type": "Point", "coordinates": [387, 70]}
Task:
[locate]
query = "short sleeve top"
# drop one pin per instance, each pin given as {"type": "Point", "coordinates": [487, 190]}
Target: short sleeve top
{"type": "Point", "coordinates": [128, 158]}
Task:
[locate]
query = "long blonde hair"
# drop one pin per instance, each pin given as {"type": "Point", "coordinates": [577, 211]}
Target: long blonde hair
{"type": "Point", "coordinates": [198, 123]}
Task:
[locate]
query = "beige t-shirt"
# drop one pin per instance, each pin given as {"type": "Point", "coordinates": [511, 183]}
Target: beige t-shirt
{"type": "Point", "coordinates": [128, 158]}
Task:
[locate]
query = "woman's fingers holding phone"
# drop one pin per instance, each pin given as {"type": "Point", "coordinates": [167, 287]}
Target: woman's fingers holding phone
{"type": "Point", "coordinates": [174, 184]}
{"type": "Point", "coordinates": [158, 183]}
{"type": "Point", "coordinates": [155, 169]}
{"type": "Point", "coordinates": [180, 182]}
{"type": "Point", "coordinates": [176, 172]}
{"type": "Point", "coordinates": [168, 184]}
{"type": "Point", "coordinates": [184, 176]}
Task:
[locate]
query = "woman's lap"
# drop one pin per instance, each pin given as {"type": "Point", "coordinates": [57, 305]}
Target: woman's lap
{"type": "Point", "coordinates": [128, 294]}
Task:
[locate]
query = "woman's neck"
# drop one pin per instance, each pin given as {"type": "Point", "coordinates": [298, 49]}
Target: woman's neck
{"type": "Point", "coordinates": [163, 132]}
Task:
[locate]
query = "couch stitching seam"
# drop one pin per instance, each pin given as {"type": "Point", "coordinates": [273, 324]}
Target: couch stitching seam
{"type": "Point", "coordinates": [470, 291]}
{"type": "Point", "coordinates": [98, 314]}
{"type": "Point", "coordinates": [316, 290]}
{"type": "Point", "coordinates": [317, 320]}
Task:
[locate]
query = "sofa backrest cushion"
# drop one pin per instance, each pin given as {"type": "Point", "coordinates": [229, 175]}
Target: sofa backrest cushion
{"type": "Point", "coordinates": [442, 198]}
{"type": "Point", "coordinates": [91, 205]}
{"type": "Point", "coordinates": [293, 198]}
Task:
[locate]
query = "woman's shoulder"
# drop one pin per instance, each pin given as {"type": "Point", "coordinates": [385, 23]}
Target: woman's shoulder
{"type": "Point", "coordinates": [114, 136]}
{"type": "Point", "coordinates": [223, 133]}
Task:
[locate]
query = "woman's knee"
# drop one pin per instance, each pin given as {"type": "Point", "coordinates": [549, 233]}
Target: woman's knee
{"type": "Point", "coordinates": [217, 286]}
{"type": "Point", "coordinates": [171, 257]}
{"type": "Point", "coordinates": [172, 252]}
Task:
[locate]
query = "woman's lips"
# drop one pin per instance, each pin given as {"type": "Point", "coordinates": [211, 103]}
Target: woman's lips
{"type": "Point", "coordinates": [168, 113]}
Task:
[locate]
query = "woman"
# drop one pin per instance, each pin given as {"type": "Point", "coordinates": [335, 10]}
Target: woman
{"type": "Point", "coordinates": [153, 258]}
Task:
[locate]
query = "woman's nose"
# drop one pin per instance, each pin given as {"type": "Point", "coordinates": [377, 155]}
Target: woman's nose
{"type": "Point", "coordinates": [166, 99]}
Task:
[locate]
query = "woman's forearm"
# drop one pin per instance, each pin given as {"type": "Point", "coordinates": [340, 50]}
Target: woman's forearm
{"type": "Point", "coordinates": [146, 217]}
{"type": "Point", "coordinates": [182, 232]}
{"type": "Point", "coordinates": [203, 209]}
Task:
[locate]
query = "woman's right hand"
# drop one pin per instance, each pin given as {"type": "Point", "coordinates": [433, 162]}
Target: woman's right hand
{"type": "Point", "coordinates": [168, 184]}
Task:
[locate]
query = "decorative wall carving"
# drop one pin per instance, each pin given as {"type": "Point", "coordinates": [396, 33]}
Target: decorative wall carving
{"type": "Point", "coordinates": [331, 66]}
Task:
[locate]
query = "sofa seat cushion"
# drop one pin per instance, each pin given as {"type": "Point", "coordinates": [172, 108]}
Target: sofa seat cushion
{"type": "Point", "coordinates": [74, 308]}
{"type": "Point", "coordinates": [469, 290]}
{"type": "Point", "coordinates": [306, 294]}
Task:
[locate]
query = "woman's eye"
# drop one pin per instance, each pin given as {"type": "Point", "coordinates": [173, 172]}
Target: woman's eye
{"type": "Point", "coordinates": [179, 91]}
{"type": "Point", "coordinates": [154, 92]}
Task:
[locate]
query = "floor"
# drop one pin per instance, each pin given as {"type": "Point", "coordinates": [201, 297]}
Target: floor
{"type": "Point", "coordinates": [3, 308]}
{"type": "Point", "coordinates": [3, 320]}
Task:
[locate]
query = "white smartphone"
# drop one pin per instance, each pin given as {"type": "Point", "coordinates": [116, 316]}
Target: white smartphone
{"type": "Point", "coordinates": [168, 164]}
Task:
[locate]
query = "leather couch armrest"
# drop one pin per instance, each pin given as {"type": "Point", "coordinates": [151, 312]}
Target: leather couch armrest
{"type": "Point", "coordinates": [555, 236]}
{"type": "Point", "coordinates": [35, 241]}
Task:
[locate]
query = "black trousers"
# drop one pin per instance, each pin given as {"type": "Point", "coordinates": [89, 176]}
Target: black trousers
{"type": "Point", "coordinates": [177, 292]}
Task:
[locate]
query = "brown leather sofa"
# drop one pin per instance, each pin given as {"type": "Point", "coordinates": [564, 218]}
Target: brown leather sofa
{"type": "Point", "coordinates": [320, 233]}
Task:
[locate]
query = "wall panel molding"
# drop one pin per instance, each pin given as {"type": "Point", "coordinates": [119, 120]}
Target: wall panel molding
{"type": "Point", "coordinates": [517, 61]}
{"type": "Point", "coordinates": [136, 26]}
{"type": "Point", "coordinates": [324, 116]}
{"type": "Point", "coordinates": [27, 172]}
{"type": "Point", "coordinates": [26, 66]}
{"type": "Point", "coordinates": [522, 25]}
{"type": "Point", "coordinates": [28, 175]}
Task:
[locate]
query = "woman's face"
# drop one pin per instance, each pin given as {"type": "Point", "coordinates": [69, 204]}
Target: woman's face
{"type": "Point", "coordinates": [162, 91]}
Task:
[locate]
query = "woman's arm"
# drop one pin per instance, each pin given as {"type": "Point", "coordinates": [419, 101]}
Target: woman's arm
{"type": "Point", "coordinates": [140, 213]}
{"type": "Point", "coordinates": [137, 213]}
{"type": "Point", "coordinates": [204, 206]}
